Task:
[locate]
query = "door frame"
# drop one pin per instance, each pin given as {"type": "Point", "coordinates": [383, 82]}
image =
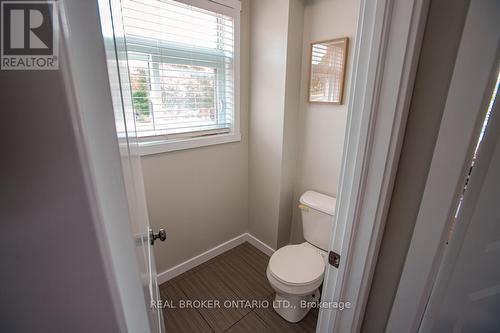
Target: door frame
{"type": "Point", "coordinates": [464, 221]}
{"type": "Point", "coordinates": [86, 81]}
{"type": "Point", "coordinates": [457, 133]}
{"type": "Point", "coordinates": [387, 48]}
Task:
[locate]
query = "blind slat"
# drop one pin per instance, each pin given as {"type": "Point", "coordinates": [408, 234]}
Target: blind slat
{"type": "Point", "coordinates": [171, 58]}
{"type": "Point", "coordinates": [160, 29]}
{"type": "Point", "coordinates": [176, 7]}
{"type": "Point", "coordinates": [202, 26]}
{"type": "Point", "coordinates": [181, 68]}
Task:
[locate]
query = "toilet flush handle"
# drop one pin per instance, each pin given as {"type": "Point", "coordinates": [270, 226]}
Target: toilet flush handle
{"type": "Point", "coordinates": [304, 207]}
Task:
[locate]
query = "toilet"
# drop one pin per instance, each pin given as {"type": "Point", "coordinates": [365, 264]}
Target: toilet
{"type": "Point", "coordinates": [296, 271]}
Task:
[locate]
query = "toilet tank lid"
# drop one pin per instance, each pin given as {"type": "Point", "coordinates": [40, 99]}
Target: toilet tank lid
{"type": "Point", "coordinates": [319, 201]}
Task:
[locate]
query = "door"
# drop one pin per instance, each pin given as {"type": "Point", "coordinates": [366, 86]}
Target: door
{"type": "Point", "coordinates": [466, 296]}
{"type": "Point", "coordinates": [430, 249]}
{"type": "Point", "coordinates": [144, 237]}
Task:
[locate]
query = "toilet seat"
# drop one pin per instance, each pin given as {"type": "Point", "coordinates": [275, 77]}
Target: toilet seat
{"type": "Point", "coordinates": [297, 266]}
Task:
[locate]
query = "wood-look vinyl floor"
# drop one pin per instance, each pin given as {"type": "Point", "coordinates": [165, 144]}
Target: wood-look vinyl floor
{"type": "Point", "coordinates": [233, 277]}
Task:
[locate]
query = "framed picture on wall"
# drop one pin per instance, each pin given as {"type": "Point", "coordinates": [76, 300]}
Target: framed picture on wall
{"type": "Point", "coordinates": [327, 71]}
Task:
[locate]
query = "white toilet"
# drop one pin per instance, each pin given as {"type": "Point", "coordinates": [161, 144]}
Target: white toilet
{"type": "Point", "coordinates": [296, 271]}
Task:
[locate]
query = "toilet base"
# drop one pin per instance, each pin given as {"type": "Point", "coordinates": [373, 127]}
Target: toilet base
{"type": "Point", "coordinates": [294, 308]}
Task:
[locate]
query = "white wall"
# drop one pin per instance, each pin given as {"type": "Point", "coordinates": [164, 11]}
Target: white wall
{"type": "Point", "coordinates": [200, 196]}
{"type": "Point", "coordinates": [206, 196]}
{"type": "Point", "coordinates": [276, 30]}
{"type": "Point", "coordinates": [322, 127]}
{"type": "Point", "coordinates": [268, 64]}
{"type": "Point", "coordinates": [291, 118]}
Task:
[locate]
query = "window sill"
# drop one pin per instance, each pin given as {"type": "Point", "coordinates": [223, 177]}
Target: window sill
{"type": "Point", "coordinates": [151, 148]}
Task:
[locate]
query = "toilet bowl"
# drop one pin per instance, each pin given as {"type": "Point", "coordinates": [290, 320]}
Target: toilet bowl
{"type": "Point", "coordinates": [296, 272]}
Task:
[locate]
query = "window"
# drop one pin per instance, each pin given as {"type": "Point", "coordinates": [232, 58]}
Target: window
{"type": "Point", "coordinates": [183, 67]}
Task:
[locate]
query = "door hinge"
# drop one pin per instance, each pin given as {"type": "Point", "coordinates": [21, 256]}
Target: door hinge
{"type": "Point", "coordinates": [334, 259]}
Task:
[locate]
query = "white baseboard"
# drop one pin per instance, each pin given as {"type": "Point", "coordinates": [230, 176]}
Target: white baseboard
{"type": "Point", "coordinates": [212, 253]}
{"type": "Point", "coordinates": [259, 244]}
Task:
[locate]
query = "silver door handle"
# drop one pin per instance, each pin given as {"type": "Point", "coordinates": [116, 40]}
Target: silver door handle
{"type": "Point", "coordinates": [161, 234]}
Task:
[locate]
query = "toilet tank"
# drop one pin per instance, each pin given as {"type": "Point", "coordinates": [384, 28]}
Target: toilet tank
{"type": "Point", "coordinates": [317, 218]}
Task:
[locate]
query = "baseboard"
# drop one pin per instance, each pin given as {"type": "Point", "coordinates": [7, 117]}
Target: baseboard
{"type": "Point", "coordinates": [212, 253]}
{"type": "Point", "coordinates": [259, 244]}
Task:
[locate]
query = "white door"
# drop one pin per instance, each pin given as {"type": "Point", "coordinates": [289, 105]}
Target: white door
{"type": "Point", "coordinates": [423, 284]}
{"type": "Point", "coordinates": [466, 296]}
{"type": "Point", "coordinates": [144, 237]}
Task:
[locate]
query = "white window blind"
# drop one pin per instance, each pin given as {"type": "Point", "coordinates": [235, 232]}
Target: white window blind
{"type": "Point", "coordinates": [181, 64]}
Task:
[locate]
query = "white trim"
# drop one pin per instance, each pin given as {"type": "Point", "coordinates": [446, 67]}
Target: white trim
{"type": "Point", "coordinates": [87, 88]}
{"type": "Point", "coordinates": [236, 130]}
{"type": "Point", "coordinates": [259, 244]}
{"type": "Point", "coordinates": [235, 4]}
{"type": "Point", "coordinates": [387, 48]}
{"type": "Point", "coordinates": [150, 148]}
{"type": "Point", "coordinates": [475, 63]}
{"type": "Point", "coordinates": [227, 7]}
{"type": "Point", "coordinates": [231, 8]}
{"type": "Point", "coordinates": [200, 259]}
{"type": "Point", "coordinates": [88, 174]}
{"type": "Point", "coordinates": [212, 253]}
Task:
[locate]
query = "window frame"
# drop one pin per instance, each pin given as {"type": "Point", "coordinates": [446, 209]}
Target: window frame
{"type": "Point", "coordinates": [149, 145]}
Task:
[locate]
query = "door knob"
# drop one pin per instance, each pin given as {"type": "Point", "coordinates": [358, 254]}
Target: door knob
{"type": "Point", "coordinates": [161, 234]}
